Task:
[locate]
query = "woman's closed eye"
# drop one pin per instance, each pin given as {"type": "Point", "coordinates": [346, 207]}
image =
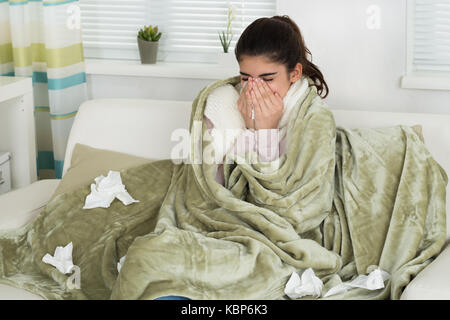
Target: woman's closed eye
{"type": "Point", "coordinates": [245, 79]}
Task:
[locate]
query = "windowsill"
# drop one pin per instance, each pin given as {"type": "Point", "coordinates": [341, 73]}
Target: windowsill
{"type": "Point", "coordinates": [426, 81]}
{"type": "Point", "coordinates": [160, 69]}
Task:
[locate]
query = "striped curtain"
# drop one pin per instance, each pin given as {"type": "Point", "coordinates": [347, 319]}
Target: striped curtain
{"type": "Point", "coordinates": [42, 39]}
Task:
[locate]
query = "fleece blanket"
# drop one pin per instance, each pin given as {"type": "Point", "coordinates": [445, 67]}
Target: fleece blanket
{"type": "Point", "coordinates": [339, 201]}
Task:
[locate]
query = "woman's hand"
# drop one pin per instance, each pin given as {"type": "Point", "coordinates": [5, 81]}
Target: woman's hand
{"type": "Point", "coordinates": [245, 106]}
{"type": "Point", "coordinates": [268, 105]}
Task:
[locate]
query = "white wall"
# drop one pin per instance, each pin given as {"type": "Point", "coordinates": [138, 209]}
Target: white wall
{"type": "Point", "coordinates": [362, 67]}
{"type": "Point", "coordinates": [106, 86]}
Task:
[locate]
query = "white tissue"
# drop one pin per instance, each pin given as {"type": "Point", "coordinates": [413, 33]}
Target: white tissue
{"type": "Point", "coordinates": [308, 285]}
{"type": "Point", "coordinates": [62, 259]}
{"type": "Point", "coordinates": [373, 281]}
{"type": "Point", "coordinates": [337, 289]}
{"type": "Point", "coordinates": [120, 263]}
{"type": "Point", "coordinates": [105, 190]}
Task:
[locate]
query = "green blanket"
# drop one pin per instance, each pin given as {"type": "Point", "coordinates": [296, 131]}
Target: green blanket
{"type": "Point", "coordinates": [341, 201]}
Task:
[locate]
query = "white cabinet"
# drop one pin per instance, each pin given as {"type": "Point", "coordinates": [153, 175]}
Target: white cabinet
{"type": "Point", "coordinates": [17, 128]}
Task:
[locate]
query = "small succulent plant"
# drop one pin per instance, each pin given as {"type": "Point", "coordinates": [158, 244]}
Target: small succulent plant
{"type": "Point", "coordinates": [149, 33]}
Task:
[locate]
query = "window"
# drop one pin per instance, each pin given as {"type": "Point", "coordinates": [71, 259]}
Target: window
{"type": "Point", "coordinates": [190, 28]}
{"type": "Point", "coordinates": [428, 61]}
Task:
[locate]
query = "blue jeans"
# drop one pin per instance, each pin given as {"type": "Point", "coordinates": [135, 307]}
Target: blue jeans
{"type": "Point", "coordinates": [172, 298]}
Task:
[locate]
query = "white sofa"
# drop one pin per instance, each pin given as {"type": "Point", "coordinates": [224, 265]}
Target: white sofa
{"type": "Point", "coordinates": [143, 128]}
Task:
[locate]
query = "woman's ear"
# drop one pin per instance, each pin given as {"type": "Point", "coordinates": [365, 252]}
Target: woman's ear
{"type": "Point", "coordinates": [296, 74]}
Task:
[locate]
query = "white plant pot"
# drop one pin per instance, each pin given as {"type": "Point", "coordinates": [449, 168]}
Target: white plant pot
{"type": "Point", "coordinates": [228, 59]}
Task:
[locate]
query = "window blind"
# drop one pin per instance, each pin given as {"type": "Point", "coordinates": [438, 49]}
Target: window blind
{"type": "Point", "coordinates": [109, 27]}
{"type": "Point", "coordinates": [189, 28]}
{"type": "Point", "coordinates": [431, 39]}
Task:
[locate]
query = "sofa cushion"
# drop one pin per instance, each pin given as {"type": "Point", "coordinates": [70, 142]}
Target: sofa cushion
{"type": "Point", "coordinates": [88, 163]}
{"type": "Point", "coordinates": [433, 282]}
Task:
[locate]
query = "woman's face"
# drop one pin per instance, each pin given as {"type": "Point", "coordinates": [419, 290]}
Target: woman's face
{"type": "Point", "coordinates": [274, 74]}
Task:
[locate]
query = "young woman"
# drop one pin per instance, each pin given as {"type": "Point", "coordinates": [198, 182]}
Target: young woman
{"type": "Point", "coordinates": [274, 63]}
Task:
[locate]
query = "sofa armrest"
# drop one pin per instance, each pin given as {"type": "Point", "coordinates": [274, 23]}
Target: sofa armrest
{"type": "Point", "coordinates": [433, 282]}
{"type": "Point", "coordinates": [20, 206]}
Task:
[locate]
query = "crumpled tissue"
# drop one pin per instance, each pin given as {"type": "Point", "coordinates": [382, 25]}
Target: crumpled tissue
{"type": "Point", "coordinates": [62, 258]}
{"type": "Point", "coordinates": [120, 263]}
{"type": "Point", "coordinates": [308, 285]}
{"type": "Point", "coordinates": [105, 190]}
{"type": "Point", "coordinates": [373, 281]}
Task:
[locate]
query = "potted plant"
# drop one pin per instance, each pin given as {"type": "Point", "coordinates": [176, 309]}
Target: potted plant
{"type": "Point", "coordinates": [148, 38]}
{"type": "Point", "coordinates": [227, 58]}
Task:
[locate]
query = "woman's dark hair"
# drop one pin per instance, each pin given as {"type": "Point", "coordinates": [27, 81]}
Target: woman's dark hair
{"type": "Point", "coordinates": [279, 39]}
